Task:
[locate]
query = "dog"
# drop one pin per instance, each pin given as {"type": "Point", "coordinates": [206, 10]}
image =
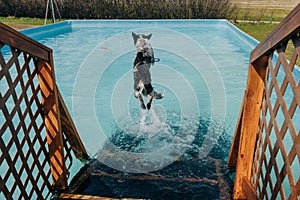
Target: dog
{"type": "Point", "coordinates": [141, 70]}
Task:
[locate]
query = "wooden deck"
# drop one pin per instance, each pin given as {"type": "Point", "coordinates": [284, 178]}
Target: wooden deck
{"type": "Point", "coordinates": [175, 181]}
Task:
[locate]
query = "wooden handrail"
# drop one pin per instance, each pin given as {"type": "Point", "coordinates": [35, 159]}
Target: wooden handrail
{"type": "Point", "coordinates": [285, 28]}
{"type": "Point", "coordinates": [16, 39]}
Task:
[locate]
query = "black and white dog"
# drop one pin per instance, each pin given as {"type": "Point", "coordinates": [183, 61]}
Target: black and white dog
{"type": "Point", "coordinates": [141, 70]}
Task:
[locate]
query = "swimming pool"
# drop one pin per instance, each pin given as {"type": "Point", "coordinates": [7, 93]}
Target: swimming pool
{"type": "Point", "coordinates": [203, 72]}
{"type": "Point", "coordinates": [202, 69]}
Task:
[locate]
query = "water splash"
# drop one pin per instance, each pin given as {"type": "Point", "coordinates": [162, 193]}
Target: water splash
{"type": "Point", "coordinates": [187, 173]}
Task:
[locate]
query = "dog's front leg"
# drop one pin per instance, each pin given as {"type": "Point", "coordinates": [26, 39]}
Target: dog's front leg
{"type": "Point", "coordinates": [139, 96]}
{"type": "Point", "coordinates": [142, 102]}
{"type": "Point", "coordinates": [150, 98]}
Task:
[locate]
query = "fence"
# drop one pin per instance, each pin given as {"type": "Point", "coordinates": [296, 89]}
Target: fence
{"type": "Point", "coordinates": [266, 145]}
{"type": "Point", "coordinates": [38, 136]}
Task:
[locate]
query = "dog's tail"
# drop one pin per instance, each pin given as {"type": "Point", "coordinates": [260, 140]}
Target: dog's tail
{"type": "Point", "coordinates": [157, 95]}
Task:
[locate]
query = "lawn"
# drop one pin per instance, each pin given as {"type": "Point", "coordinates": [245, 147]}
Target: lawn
{"type": "Point", "coordinates": [23, 22]}
{"type": "Point", "coordinates": [257, 30]}
{"type": "Point", "coordinates": [260, 14]}
{"type": "Point", "coordinates": [260, 30]}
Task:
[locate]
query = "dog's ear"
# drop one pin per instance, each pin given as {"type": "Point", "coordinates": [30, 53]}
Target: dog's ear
{"type": "Point", "coordinates": [135, 37]}
{"type": "Point", "coordinates": [148, 36]}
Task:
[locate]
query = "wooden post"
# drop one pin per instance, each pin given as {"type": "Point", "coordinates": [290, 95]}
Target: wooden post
{"type": "Point", "coordinates": [249, 126]}
{"type": "Point", "coordinates": [53, 124]}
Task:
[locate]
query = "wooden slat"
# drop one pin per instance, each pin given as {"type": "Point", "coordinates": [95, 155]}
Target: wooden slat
{"type": "Point", "coordinates": [296, 42]}
{"type": "Point", "coordinates": [287, 27]}
{"type": "Point", "coordinates": [52, 123]}
{"type": "Point", "coordinates": [290, 77]}
{"type": "Point", "coordinates": [248, 190]}
{"type": "Point", "coordinates": [82, 196]}
{"type": "Point", "coordinates": [17, 40]}
{"type": "Point", "coordinates": [259, 144]}
{"type": "Point", "coordinates": [154, 177]}
{"type": "Point", "coordinates": [252, 105]}
{"type": "Point", "coordinates": [297, 187]}
{"type": "Point", "coordinates": [223, 185]}
{"type": "Point", "coordinates": [233, 154]}
{"type": "Point", "coordinates": [69, 129]}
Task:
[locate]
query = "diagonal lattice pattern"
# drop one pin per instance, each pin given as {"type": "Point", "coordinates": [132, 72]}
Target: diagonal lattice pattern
{"type": "Point", "coordinates": [275, 170]}
{"type": "Point", "coordinates": [24, 163]}
{"type": "Point", "coordinates": [24, 157]}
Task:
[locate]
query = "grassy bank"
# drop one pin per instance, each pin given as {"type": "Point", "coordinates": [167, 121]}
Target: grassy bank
{"type": "Point", "coordinates": [257, 30]}
{"type": "Point", "coordinates": [23, 22]}
{"type": "Point", "coordinates": [263, 10]}
{"type": "Point", "coordinates": [260, 14]}
{"type": "Point", "coordinates": [260, 31]}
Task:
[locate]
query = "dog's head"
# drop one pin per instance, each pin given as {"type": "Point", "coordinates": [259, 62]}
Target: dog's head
{"type": "Point", "coordinates": [142, 43]}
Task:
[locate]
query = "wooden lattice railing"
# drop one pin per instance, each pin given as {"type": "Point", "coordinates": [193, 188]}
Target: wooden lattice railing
{"type": "Point", "coordinates": [266, 145]}
{"type": "Point", "coordinates": [37, 133]}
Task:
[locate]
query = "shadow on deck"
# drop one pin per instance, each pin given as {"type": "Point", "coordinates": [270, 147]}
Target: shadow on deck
{"type": "Point", "coordinates": [193, 179]}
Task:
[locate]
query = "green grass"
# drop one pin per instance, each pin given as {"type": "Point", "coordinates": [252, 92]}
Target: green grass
{"type": "Point", "coordinates": [23, 21]}
{"type": "Point", "coordinates": [257, 30]}
{"type": "Point", "coordinates": [260, 31]}
{"type": "Point", "coordinates": [260, 14]}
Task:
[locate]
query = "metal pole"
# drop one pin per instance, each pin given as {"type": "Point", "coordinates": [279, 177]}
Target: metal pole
{"type": "Point", "coordinates": [55, 2]}
{"type": "Point", "coordinates": [53, 13]}
{"type": "Point", "coordinates": [46, 12]}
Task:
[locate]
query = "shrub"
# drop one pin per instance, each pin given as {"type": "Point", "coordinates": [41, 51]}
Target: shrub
{"type": "Point", "coordinates": [121, 9]}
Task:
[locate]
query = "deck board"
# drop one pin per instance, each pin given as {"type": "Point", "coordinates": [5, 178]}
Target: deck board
{"type": "Point", "coordinates": [174, 181]}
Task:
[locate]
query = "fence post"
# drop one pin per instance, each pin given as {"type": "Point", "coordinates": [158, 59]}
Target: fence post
{"type": "Point", "coordinates": [52, 123]}
{"type": "Point", "coordinates": [249, 126]}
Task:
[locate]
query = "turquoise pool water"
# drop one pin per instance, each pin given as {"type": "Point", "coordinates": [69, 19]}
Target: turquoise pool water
{"type": "Point", "coordinates": [203, 71]}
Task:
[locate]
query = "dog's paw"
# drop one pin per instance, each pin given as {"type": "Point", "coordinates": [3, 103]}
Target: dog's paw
{"type": "Point", "coordinates": [148, 106]}
{"type": "Point", "coordinates": [143, 106]}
